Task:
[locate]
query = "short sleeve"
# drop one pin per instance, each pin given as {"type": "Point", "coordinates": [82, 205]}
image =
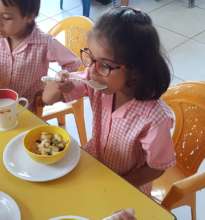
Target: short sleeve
{"type": "Point", "coordinates": [158, 146]}
{"type": "Point", "coordinates": [62, 55]}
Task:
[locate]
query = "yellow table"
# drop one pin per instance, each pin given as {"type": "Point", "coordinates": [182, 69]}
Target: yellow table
{"type": "Point", "coordinates": [90, 190]}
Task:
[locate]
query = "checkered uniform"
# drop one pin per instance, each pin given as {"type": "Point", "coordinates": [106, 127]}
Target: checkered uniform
{"type": "Point", "coordinates": [22, 68]}
{"type": "Point", "coordinates": [136, 133]}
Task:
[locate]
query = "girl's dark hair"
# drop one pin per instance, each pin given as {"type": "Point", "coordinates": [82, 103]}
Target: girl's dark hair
{"type": "Point", "coordinates": [26, 7]}
{"type": "Point", "coordinates": [135, 43]}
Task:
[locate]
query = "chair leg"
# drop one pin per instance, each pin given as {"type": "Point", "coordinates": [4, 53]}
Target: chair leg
{"type": "Point", "coordinates": [61, 120]}
{"type": "Point", "coordinates": [125, 2]}
{"type": "Point", "coordinates": [193, 207]}
{"type": "Point", "coordinates": [86, 7]}
{"type": "Point", "coordinates": [120, 2]}
{"type": "Point", "coordinates": [61, 4]}
{"type": "Point", "coordinates": [189, 200]}
{"type": "Point", "coordinates": [80, 122]}
{"type": "Point", "coordinates": [191, 3]}
{"type": "Point", "coordinates": [114, 2]}
{"type": "Point", "coordinates": [38, 104]}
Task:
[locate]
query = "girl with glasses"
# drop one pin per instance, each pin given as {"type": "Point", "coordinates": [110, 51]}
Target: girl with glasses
{"type": "Point", "coordinates": [131, 124]}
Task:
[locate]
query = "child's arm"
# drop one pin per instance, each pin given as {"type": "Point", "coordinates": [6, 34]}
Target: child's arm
{"type": "Point", "coordinates": [158, 148]}
{"type": "Point", "coordinates": [51, 93]}
{"type": "Point", "coordinates": [64, 90]}
{"type": "Point", "coordinates": [143, 175]}
{"type": "Point", "coordinates": [54, 91]}
{"type": "Point", "coordinates": [62, 55]}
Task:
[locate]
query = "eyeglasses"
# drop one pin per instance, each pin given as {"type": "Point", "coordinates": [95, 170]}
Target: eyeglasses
{"type": "Point", "coordinates": [101, 66]}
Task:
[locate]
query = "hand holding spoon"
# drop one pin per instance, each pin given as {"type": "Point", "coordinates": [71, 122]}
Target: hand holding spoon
{"type": "Point", "coordinates": [92, 83]}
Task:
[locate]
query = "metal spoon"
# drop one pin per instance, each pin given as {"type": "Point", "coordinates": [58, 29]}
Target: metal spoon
{"type": "Point", "coordinates": [92, 83]}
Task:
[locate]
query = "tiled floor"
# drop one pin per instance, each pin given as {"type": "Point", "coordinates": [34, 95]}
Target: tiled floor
{"type": "Point", "coordinates": [182, 32]}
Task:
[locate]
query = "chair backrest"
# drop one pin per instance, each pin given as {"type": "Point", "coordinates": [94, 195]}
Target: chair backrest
{"type": "Point", "coordinates": [72, 32]}
{"type": "Point", "coordinates": [187, 100]}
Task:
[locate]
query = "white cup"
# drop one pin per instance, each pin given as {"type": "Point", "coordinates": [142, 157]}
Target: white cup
{"type": "Point", "coordinates": [8, 108]}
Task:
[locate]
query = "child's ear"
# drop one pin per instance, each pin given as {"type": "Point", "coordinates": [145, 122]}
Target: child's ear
{"type": "Point", "coordinates": [133, 77]}
{"type": "Point", "coordinates": [30, 18]}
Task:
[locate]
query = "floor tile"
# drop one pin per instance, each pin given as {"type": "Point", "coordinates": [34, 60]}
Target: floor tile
{"type": "Point", "coordinates": [62, 15]}
{"type": "Point", "coordinates": [71, 125]}
{"type": "Point", "coordinates": [177, 17]}
{"type": "Point", "coordinates": [200, 3]}
{"type": "Point", "coordinates": [202, 166]}
{"type": "Point", "coordinates": [47, 24]}
{"type": "Point", "coordinates": [169, 39]}
{"type": "Point", "coordinates": [200, 38]}
{"type": "Point", "coordinates": [182, 213]}
{"type": "Point", "coordinates": [200, 204]}
{"type": "Point", "coordinates": [176, 80]}
{"type": "Point", "coordinates": [70, 4]}
{"type": "Point", "coordinates": [88, 117]}
{"type": "Point", "coordinates": [98, 9]}
{"type": "Point", "coordinates": [41, 17]}
{"type": "Point", "coordinates": [77, 10]}
{"type": "Point", "coordinates": [50, 8]}
{"type": "Point", "coordinates": [148, 5]}
{"type": "Point", "coordinates": [188, 61]}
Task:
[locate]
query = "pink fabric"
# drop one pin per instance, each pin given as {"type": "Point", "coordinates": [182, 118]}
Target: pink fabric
{"type": "Point", "coordinates": [22, 69]}
{"type": "Point", "coordinates": [136, 133]}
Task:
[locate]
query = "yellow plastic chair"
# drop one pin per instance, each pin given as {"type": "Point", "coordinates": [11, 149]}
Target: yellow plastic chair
{"type": "Point", "coordinates": [178, 185]}
{"type": "Point", "coordinates": [73, 31]}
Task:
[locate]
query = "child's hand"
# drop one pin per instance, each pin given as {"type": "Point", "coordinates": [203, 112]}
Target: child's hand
{"type": "Point", "coordinates": [54, 88]}
{"type": "Point", "coordinates": [65, 85]}
{"type": "Point", "coordinates": [51, 93]}
{"type": "Point", "coordinates": [124, 214]}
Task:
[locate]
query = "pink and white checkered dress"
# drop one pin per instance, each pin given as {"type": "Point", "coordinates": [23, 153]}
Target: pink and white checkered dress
{"type": "Point", "coordinates": [22, 69]}
{"type": "Point", "coordinates": [136, 133]}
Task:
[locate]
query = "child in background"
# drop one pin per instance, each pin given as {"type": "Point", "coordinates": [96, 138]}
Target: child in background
{"type": "Point", "coordinates": [25, 51]}
{"type": "Point", "coordinates": [131, 125]}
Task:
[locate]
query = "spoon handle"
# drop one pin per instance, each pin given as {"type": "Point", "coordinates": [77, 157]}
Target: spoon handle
{"type": "Point", "coordinates": [50, 78]}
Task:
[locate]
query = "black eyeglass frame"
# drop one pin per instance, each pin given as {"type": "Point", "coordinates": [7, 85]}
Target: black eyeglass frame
{"type": "Point", "coordinates": [95, 61]}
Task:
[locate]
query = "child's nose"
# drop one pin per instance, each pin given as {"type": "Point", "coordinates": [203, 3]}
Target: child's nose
{"type": "Point", "coordinates": [93, 72]}
{"type": "Point", "coordinates": [92, 68]}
